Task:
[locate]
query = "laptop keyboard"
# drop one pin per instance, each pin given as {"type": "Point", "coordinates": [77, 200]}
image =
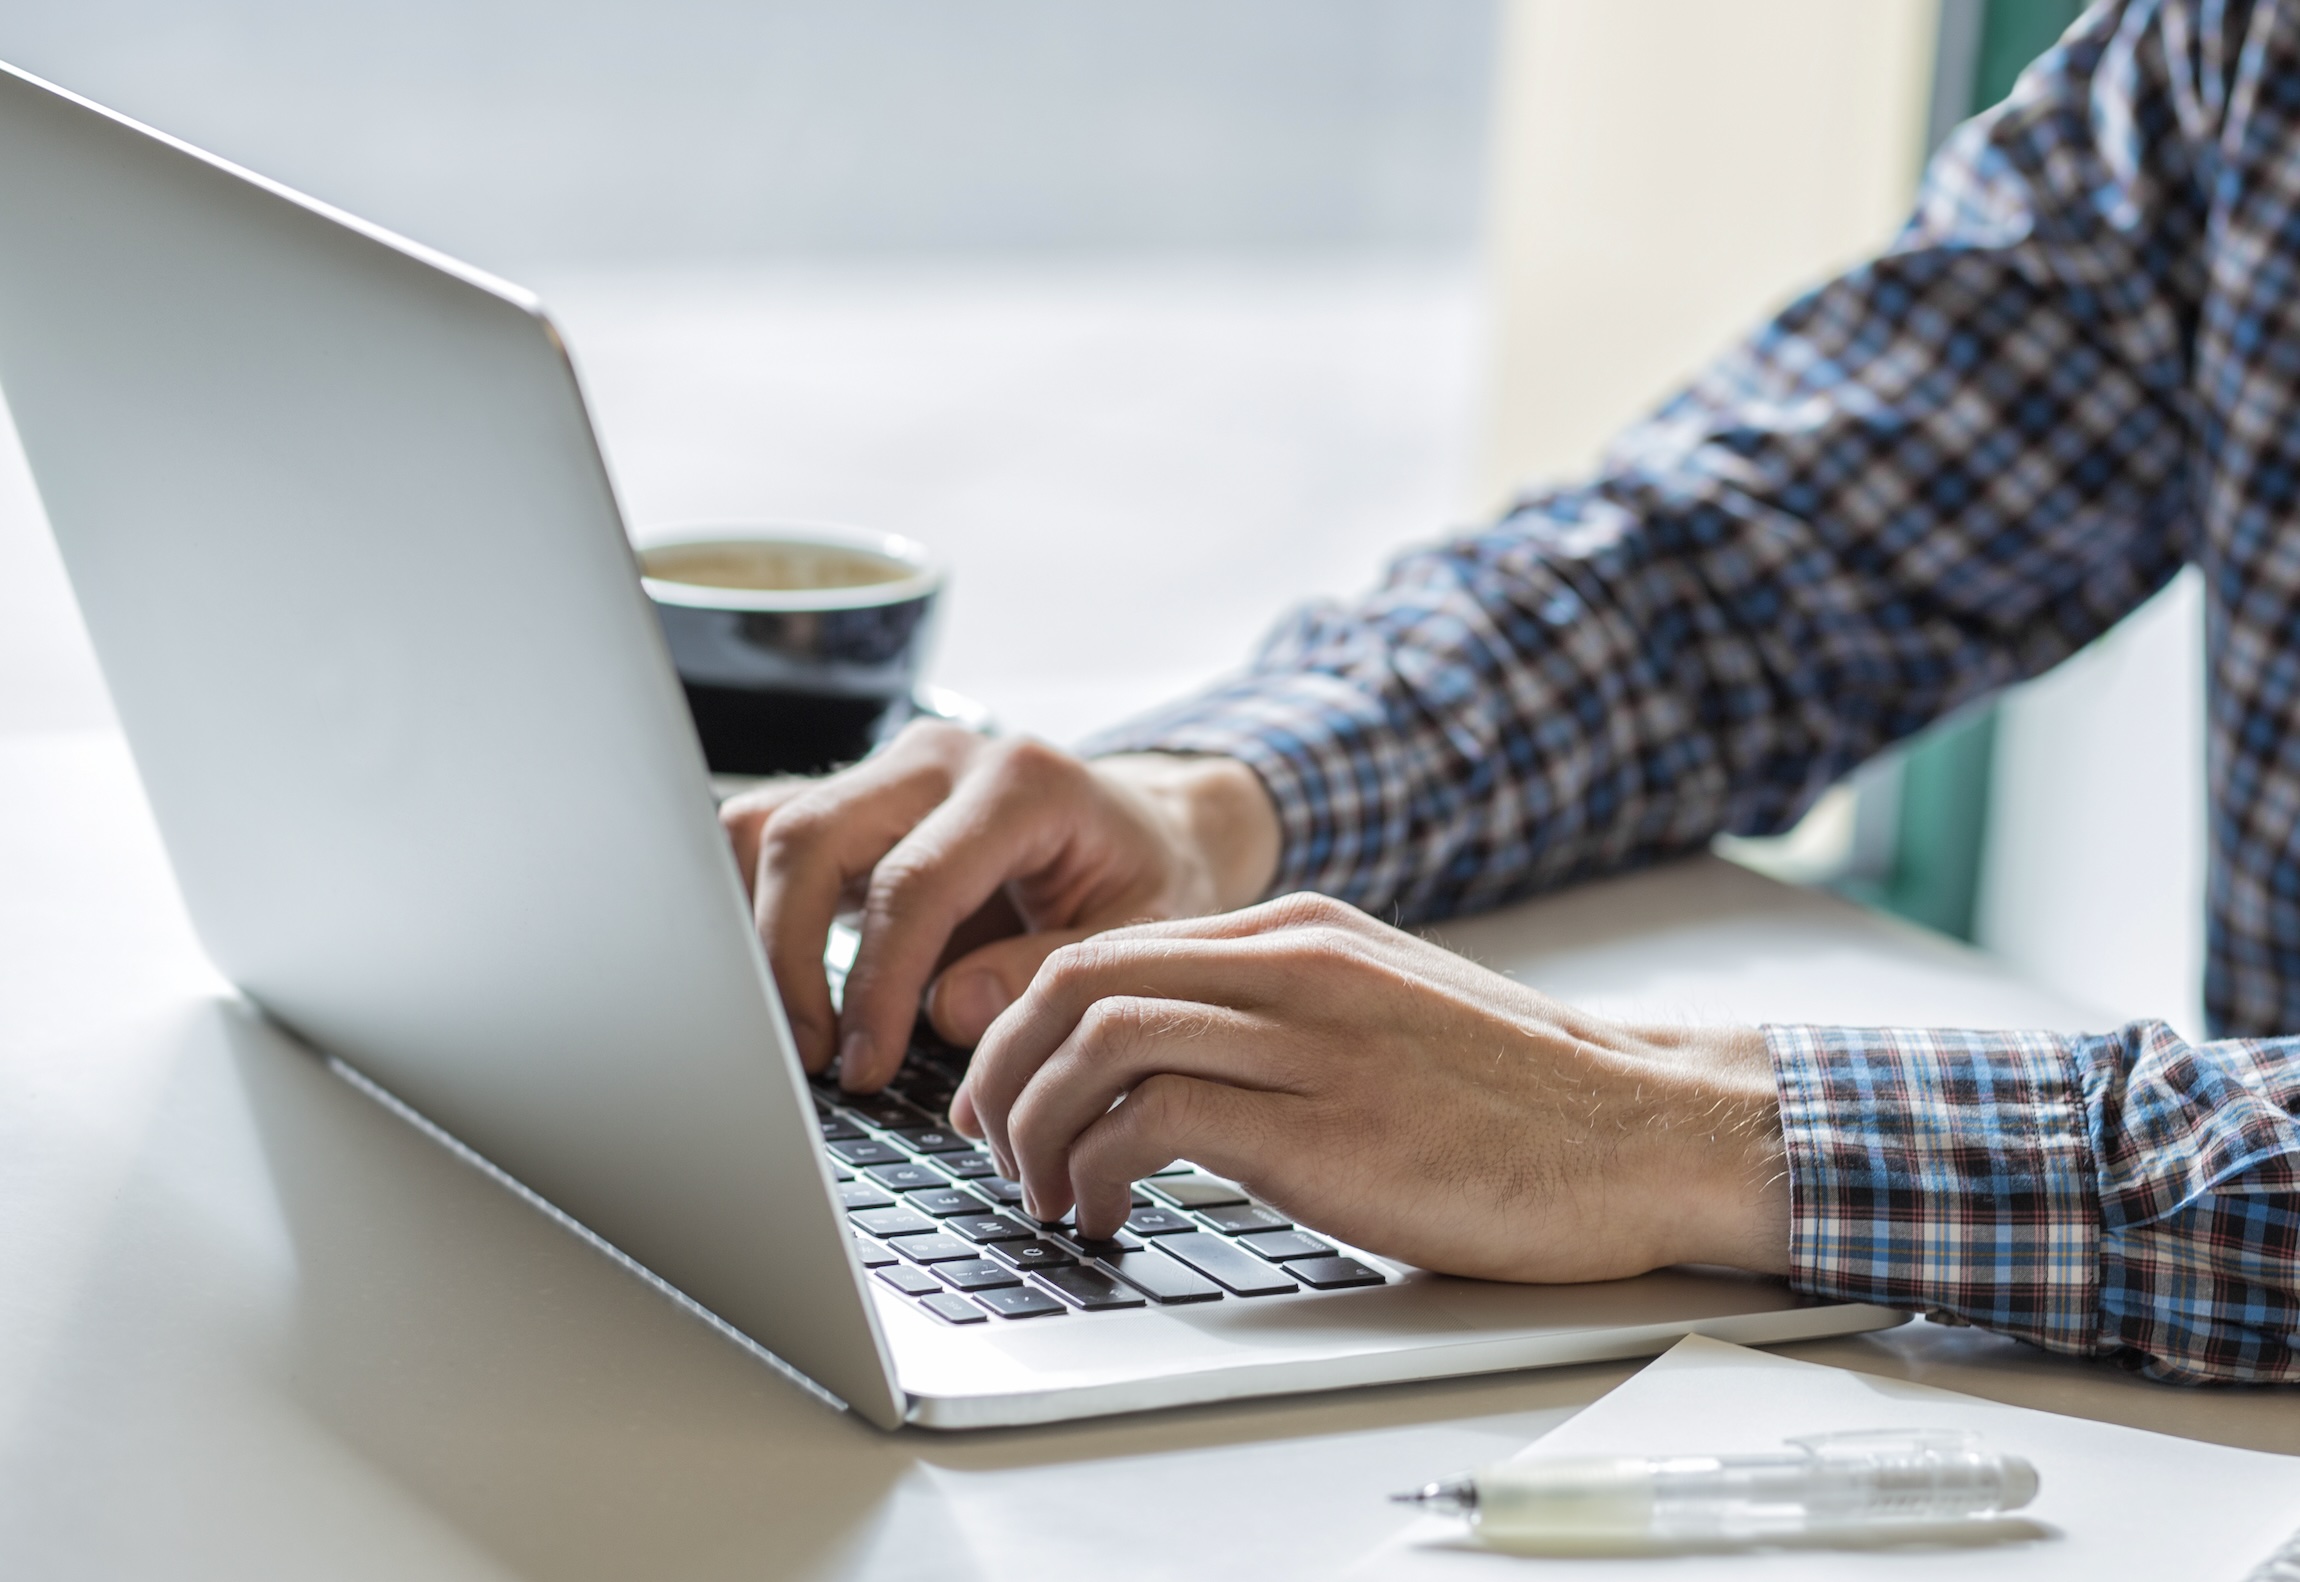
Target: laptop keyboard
{"type": "Point", "coordinates": [935, 1221]}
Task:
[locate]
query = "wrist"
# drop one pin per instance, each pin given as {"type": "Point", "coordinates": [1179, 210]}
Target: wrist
{"type": "Point", "coordinates": [1721, 1182]}
{"type": "Point", "coordinates": [1213, 813]}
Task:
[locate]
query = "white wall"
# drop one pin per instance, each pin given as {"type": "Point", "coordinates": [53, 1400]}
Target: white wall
{"type": "Point", "coordinates": [1666, 172]}
{"type": "Point", "coordinates": [2094, 877]}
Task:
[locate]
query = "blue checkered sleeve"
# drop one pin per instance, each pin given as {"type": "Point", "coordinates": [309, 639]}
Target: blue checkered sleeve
{"type": "Point", "coordinates": [1945, 470]}
{"type": "Point", "coordinates": [2125, 1195]}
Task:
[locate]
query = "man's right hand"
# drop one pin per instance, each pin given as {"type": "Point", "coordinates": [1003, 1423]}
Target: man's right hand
{"type": "Point", "coordinates": [971, 859]}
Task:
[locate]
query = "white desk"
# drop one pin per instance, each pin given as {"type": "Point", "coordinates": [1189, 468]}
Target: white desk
{"type": "Point", "coordinates": [251, 1326]}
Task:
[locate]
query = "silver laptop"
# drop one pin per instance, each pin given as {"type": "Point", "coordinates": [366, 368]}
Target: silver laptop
{"type": "Point", "coordinates": [339, 526]}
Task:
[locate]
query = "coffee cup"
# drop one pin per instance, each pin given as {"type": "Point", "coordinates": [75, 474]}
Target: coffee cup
{"type": "Point", "coordinates": [800, 647]}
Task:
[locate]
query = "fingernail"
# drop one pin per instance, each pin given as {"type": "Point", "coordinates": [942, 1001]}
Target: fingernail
{"type": "Point", "coordinates": [854, 1058]}
{"type": "Point", "coordinates": [973, 1000]}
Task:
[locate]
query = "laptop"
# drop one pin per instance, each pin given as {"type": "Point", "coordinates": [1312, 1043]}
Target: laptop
{"type": "Point", "coordinates": [339, 525]}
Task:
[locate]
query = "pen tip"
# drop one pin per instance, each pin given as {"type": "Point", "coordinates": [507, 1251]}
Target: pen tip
{"type": "Point", "coordinates": [1454, 1496]}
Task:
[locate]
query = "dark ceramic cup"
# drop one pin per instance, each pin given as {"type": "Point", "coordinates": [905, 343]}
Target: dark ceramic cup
{"type": "Point", "coordinates": [800, 647]}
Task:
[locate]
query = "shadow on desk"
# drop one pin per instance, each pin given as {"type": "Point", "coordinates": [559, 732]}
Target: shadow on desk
{"type": "Point", "coordinates": [561, 1414]}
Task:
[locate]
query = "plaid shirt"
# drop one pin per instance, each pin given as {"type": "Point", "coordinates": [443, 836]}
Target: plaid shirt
{"type": "Point", "coordinates": [2076, 370]}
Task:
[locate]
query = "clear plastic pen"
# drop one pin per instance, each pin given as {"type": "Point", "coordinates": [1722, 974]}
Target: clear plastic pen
{"type": "Point", "coordinates": [1829, 1482]}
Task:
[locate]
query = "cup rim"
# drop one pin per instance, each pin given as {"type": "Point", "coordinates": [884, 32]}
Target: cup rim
{"type": "Point", "coordinates": [926, 574]}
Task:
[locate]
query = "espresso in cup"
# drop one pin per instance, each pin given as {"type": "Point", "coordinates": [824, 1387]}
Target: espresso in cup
{"type": "Point", "coordinates": [798, 647]}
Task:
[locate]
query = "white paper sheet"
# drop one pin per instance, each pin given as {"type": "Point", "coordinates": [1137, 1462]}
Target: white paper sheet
{"type": "Point", "coordinates": [2115, 1502]}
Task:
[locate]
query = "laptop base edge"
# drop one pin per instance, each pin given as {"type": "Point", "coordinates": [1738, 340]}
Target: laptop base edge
{"type": "Point", "coordinates": [1507, 1354]}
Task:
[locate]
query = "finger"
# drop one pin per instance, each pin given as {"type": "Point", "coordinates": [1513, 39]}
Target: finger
{"type": "Point", "coordinates": [968, 995]}
{"type": "Point", "coordinates": [996, 826]}
{"type": "Point", "coordinates": [743, 817]}
{"type": "Point", "coordinates": [1299, 910]}
{"type": "Point", "coordinates": [1253, 972]}
{"type": "Point", "coordinates": [1120, 1044]}
{"type": "Point", "coordinates": [1226, 1129]}
{"type": "Point", "coordinates": [1335, 928]}
{"type": "Point", "coordinates": [810, 850]}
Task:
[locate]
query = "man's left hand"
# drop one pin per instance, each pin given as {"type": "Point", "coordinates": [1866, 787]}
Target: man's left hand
{"type": "Point", "coordinates": [1383, 1090]}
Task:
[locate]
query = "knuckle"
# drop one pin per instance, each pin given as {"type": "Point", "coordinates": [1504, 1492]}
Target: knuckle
{"type": "Point", "coordinates": [1167, 1104]}
{"type": "Point", "coordinates": [792, 829]}
{"type": "Point", "coordinates": [1308, 909]}
{"type": "Point", "coordinates": [1315, 947]}
{"type": "Point", "coordinates": [932, 738]}
{"type": "Point", "coordinates": [1033, 764]}
{"type": "Point", "coordinates": [1108, 1024]}
{"type": "Point", "coordinates": [1078, 963]}
{"type": "Point", "coordinates": [896, 882]}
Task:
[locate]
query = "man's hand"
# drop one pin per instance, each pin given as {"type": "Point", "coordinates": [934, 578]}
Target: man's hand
{"type": "Point", "coordinates": [1379, 1088]}
{"type": "Point", "coordinates": [970, 859]}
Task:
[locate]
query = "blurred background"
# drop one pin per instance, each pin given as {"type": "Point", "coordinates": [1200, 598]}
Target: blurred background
{"type": "Point", "coordinates": [1152, 320]}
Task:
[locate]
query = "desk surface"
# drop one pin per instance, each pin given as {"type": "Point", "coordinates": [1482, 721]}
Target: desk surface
{"type": "Point", "coordinates": [252, 1326]}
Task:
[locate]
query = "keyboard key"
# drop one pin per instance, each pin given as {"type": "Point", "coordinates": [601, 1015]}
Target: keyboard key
{"type": "Point", "coordinates": [838, 1129]}
{"type": "Point", "coordinates": [1089, 1247]}
{"type": "Point", "coordinates": [1197, 1192]}
{"type": "Point", "coordinates": [897, 1221]}
{"type": "Point", "coordinates": [1039, 1254]}
{"type": "Point", "coordinates": [1230, 1266]}
{"type": "Point", "coordinates": [952, 1309]}
{"type": "Point", "coordinates": [907, 1177]}
{"type": "Point", "coordinates": [874, 1255]}
{"type": "Point", "coordinates": [935, 1140]}
{"type": "Point", "coordinates": [1021, 1302]}
{"type": "Point", "coordinates": [1245, 1219]}
{"type": "Point", "coordinates": [1160, 1278]}
{"type": "Point", "coordinates": [977, 1274]}
{"type": "Point", "coordinates": [928, 1049]}
{"type": "Point", "coordinates": [909, 1281]}
{"type": "Point", "coordinates": [934, 1249]}
{"type": "Point", "coordinates": [861, 1194]}
{"type": "Point", "coordinates": [1005, 1193]}
{"type": "Point", "coordinates": [1180, 1167]}
{"type": "Point", "coordinates": [1279, 1245]}
{"type": "Point", "coordinates": [1334, 1274]}
{"type": "Point", "coordinates": [968, 1166]}
{"type": "Point", "coordinates": [945, 1203]}
{"type": "Point", "coordinates": [882, 1110]}
{"type": "Point", "coordinates": [1159, 1222]}
{"type": "Point", "coordinates": [868, 1151]}
{"type": "Point", "coordinates": [1090, 1289]}
{"type": "Point", "coordinates": [989, 1227]}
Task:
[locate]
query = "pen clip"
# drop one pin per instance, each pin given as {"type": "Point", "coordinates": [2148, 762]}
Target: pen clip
{"type": "Point", "coordinates": [1867, 1443]}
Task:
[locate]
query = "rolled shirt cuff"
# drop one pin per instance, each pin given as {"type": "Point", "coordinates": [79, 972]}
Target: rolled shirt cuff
{"type": "Point", "coordinates": [1942, 1171]}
